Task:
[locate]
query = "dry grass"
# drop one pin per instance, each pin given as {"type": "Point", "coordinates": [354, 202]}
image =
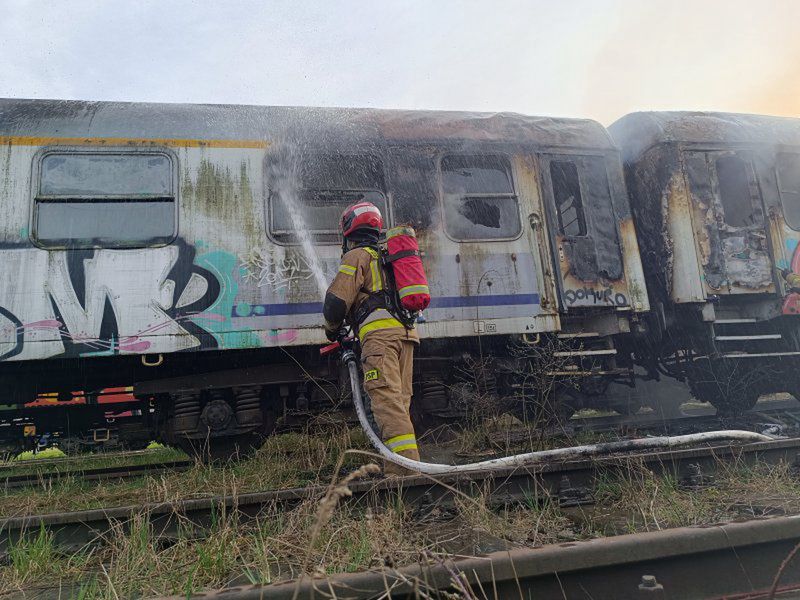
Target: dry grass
{"type": "Point", "coordinates": [66, 464]}
{"type": "Point", "coordinates": [330, 536]}
{"type": "Point", "coordinates": [333, 536]}
{"type": "Point", "coordinates": [637, 500]}
{"type": "Point", "coordinates": [505, 435]}
{"type": "Point", "coordinates": [288, 460]}
{"type": "Point", "coordinates": [537, 522]}
{"type": "Point", "coordinates": [277, 546]}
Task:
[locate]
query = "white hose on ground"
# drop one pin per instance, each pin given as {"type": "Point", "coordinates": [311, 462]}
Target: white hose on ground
{"type": "Point", "coordinates": [518, 460]}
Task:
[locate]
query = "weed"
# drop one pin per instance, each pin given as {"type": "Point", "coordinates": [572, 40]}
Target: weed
{"type": "Point", "coordinates": [32, 556]}
{"type": "Point", "coordinates": [88, 589]}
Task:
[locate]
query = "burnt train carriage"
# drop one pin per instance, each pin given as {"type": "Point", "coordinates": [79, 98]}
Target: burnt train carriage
{"type": "Point", "coordinates": [716, 201]}
{"type": "Point", "coordinates": [185, 247]}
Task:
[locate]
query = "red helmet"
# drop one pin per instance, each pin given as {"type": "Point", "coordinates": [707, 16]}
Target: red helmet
{"type": "Point", "coordinates": [362, 215]}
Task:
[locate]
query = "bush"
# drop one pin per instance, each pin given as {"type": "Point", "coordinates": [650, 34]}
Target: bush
{"type": "Point", "coordinates": [46, 453]}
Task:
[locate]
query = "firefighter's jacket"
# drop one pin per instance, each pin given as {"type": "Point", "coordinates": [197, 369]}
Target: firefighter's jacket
{"type": "Point", "coordinates": [360, 273]}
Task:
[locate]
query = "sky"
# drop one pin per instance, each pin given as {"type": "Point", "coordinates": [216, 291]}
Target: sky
{"type": "Point", "coordinates": [599, 59]}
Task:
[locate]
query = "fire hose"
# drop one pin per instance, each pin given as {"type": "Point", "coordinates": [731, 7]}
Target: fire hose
{"type": "Point", "coordinates": [349, 359]}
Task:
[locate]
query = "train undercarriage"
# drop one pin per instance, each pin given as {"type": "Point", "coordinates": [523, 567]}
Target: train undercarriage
{"type": "Point", "coordinates": [218, 404]}
{"type": "Point", "coordinates": [729, 353]}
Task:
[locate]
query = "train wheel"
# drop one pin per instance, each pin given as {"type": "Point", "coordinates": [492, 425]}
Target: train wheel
{"type": "Point", "coordinates": [228, 448]}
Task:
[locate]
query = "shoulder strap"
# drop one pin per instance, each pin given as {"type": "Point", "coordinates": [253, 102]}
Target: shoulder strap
{"type": "Point", "coordinates": [402, 254]}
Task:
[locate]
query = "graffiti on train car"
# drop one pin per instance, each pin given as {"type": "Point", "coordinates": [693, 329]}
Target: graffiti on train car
{"type": "Point", "coordinates": [97, 302]}
{"type": "Point", "coordinates": [791, 278]}
{"type": "Point", "coordinates": [279, 275]}
{"type": "Point", "coordinates": [605, 296]}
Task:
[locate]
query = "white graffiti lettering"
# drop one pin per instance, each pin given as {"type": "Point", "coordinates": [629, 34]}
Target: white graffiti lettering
{"type": "Point", "coordinates": [106, 301]}
{"type": "Point", "coordinates": [279, 274]}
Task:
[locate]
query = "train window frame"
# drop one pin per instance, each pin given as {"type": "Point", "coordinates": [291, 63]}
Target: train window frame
{"type": "Point", "coordinates": [506, 158]}
{"type": "Point", "coordinates": [584, 218]}
{"type": "Point", "coordinates": [64, 244]}
{"type": "Point", "coordinates": [792, 224]}
{"type": "Point", "coordinates": [327, 237]}
{"type": "Point", "coordinates": [755, 203]}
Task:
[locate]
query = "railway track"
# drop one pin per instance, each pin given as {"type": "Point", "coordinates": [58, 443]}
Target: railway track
{"type": "Point", "coordinates": [65, 460]}
{"type": "Point", "coordinates": [570, 482]}
{"type": "Point", "coordinates": [747, 561]}
{"type": "Point", "coordinates": [49, 471]}
{"type": "Point", "coordinates": [88, 474]}
{"type": "Point", "coordinates": [786, 411]}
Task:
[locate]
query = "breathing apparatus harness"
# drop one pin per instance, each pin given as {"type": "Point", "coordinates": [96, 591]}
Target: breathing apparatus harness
{"type": "Point", "coordinates": [386, 298]}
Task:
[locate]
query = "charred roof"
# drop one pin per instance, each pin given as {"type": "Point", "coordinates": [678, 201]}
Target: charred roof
{"type": "Point", "coordinates": [68, 118]}
{"type": "Point", "coordinates": [637, 132]}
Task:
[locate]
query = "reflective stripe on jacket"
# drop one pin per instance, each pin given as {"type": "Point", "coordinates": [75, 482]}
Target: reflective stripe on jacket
{"type": "Point", "coordinates": [360, 274]}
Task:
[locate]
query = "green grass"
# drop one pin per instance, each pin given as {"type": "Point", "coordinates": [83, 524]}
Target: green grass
{"type": "Point", "coordinates": [33, 556]}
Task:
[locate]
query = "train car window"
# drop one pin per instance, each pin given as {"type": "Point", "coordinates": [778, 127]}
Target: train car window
{"type": "Point", "coordinates": [313, 196]}
{"type": "Point", "coordinates": [104, 200]}
{"type": "Point", "coordinates": [788, 167]}
{"type": "Point", "coordinates": [479, 198]}
{"type": "Point", "coordinates": [568, 198]}
{"type": "Point", "coordinates": [739, 207]}
{"type": "Point", "coordinates": [317, 211]}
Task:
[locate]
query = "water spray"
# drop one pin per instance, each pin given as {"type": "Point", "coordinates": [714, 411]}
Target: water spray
{"type": "Point", "coordinates": [348, 358]}
{"type": "Point", "coordinates": [285, 183]}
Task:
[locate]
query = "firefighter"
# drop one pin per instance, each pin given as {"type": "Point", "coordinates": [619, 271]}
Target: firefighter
{"type": "Point", "coordinates": [357, 297]}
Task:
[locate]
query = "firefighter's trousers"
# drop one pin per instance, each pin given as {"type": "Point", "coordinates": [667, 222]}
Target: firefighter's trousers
{"type": "Point", "coordinates": [387, 358]}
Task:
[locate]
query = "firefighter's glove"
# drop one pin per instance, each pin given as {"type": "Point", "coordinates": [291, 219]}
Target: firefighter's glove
{"type": "Point", "coordinates": [336, 335]}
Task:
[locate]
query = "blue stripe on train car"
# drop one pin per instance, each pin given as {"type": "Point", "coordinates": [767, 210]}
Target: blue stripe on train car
{"type": "Point", "coordinates": [473, 301]}
{"type": "Point", "coordinates": [307, 308]}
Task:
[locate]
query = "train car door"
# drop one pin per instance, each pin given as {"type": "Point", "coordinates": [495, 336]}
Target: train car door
{"type": "Point", "coordinates": [584, 230]}
{"type": "Point", "coordinates": [729, 224]}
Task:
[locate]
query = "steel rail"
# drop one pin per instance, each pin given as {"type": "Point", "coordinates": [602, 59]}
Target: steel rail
{"type": "Point", "coordinates": [695, 417]}
{"type": "Point", "coordinates": [95, 474]}
{"type": "Point", "coordinates": [571, 482]}
{"type": "Point", "coordinates": [56, 462]}
{"type": "Point", "coordinates": [743, 560]}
